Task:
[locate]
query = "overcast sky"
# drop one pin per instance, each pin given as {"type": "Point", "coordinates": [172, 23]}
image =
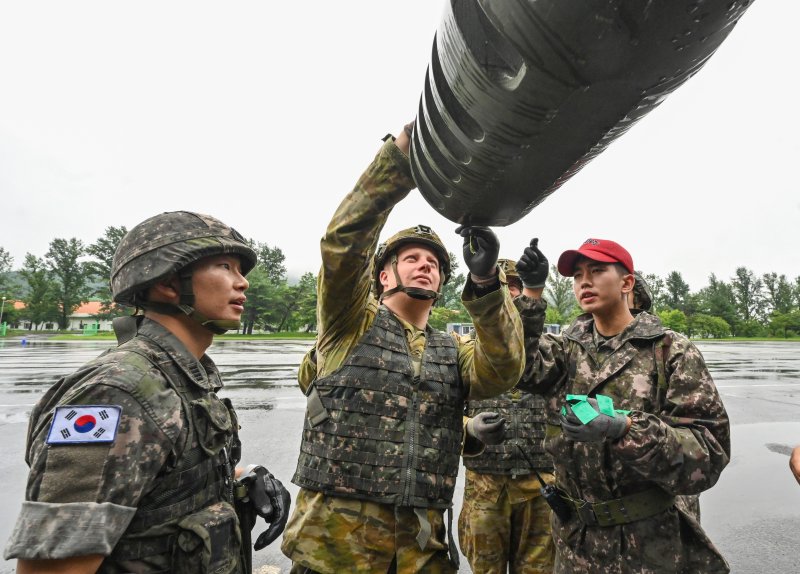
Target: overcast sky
{"type": "Point", "coordinates": [265, 113]}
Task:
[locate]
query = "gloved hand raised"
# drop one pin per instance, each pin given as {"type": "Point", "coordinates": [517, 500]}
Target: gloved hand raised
{"type": "Point", "coordinates": [269, 499]}
{"type": "Point", "coordinates": [489, 428]}
{"type": "Point", "coordinates": [481, 248]}
{"type": "Point", "coordinates": [532, 267]}
{"type": "Point", "coordinates": [602, 427]}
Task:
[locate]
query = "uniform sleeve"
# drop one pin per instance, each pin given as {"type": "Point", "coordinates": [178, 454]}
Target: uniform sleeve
{"type": "Point", "coordinates": [492, 361]}
{"type": "Point", "coordinates": [307, 371]}
{"type": "Point", "coordinates": [685, 447]}
{"type": "Point", "coordinates": [80, 498]}
{"type": "Point", "coordinates": [348, 246]}
{"type": "Point", "coordinates": [545, 356]}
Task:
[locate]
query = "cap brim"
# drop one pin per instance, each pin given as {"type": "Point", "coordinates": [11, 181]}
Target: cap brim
{"type": "Point", "coordinates": [566, 263]}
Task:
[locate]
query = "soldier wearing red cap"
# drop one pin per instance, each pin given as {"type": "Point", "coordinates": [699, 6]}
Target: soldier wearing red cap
{"type": "Point", "coordinates": [634, 421]}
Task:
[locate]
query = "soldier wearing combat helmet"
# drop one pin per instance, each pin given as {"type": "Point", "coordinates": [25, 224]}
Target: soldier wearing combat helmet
{"type": "Point", "coordinates": [132, 457]}
{"type": "Point", "coordinates": [385, 392]}
{"type": "Point", "coordinates": [504, 525]}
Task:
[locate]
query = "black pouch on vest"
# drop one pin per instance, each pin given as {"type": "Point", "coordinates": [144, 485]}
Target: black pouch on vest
{"type": "Point", "coordinates": [213, 422]}
{"type": "Point", "coordinates": [208, 542]}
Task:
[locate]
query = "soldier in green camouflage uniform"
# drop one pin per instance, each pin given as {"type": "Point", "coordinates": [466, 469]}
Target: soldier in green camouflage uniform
{"type": "Point", "coordinates": [619, 474]}
{"type": "Point", "coordinates": [383, 431]}
{"type": "Point", "coordinates": [504, 525]}
{"type": "Point", "coordinates": [132, 456]}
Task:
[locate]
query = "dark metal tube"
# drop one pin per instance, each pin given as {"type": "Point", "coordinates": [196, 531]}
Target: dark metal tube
{"type": "Point", "coordinates": [521, 94]}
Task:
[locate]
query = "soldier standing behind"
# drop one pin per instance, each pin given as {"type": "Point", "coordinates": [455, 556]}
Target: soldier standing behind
{"type": "Point", "coordinates": [132, 457]}
{"type": "Point", "coordinates": [619, 470]}
{"type": "Point", "coordinates": [504, 524]}
{"type": "Point", "coordinates": [383, 431]}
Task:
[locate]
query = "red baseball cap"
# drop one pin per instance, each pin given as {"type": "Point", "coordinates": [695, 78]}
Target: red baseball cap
{"type": "Point", "coordinates": [596, 250]}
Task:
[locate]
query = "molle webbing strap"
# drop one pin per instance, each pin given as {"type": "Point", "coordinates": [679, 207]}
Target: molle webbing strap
{"type": "Point", "coordinates": [367, 381]}
{"type": "Point", "coordinates": [345, 454]}
{"type": "Point", "coordinates": [357, 431]}
{"type": "Point", "coordinates": [377, 487]}
{"type": "Point", "coordinates": [143, 520]}
{"type": "Point", "coordinates": [316, 413]}
{"type": "Point", "coordinates": [366, 407]}
{"type": "Point", "coordinates": [424, 534]}
{"type": "Point", "coordinates": [180, 482]}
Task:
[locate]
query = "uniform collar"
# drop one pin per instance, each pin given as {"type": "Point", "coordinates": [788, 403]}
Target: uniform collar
{"type": "Point", "coordinates": [643, 326]}
{"type": "Point", "coordinates": [202, 372]}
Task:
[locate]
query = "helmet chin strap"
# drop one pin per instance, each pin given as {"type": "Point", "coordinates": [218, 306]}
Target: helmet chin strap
{"type": "Point", "coordinates": [413, 292]}
{"type": "Point", "coordinates": [186, 307]}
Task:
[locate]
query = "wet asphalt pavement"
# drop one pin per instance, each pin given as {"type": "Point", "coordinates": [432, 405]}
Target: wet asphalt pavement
{"type": "Point", "coordinates": [752, 514]}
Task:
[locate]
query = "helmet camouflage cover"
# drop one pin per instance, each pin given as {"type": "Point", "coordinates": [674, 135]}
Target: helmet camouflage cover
{"type": "Point", "coordinates": [166, 243]}
{"type": "Point", "coordinates": [642, 297]}
{"type": "Point", "coordinates": [421, 234]}
{"type": "Point", "coordinates": [509, 267]}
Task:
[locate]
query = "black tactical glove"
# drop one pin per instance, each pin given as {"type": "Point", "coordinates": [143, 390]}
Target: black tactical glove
{"type": "Point", "coordinates": [489, 428]}
{"type": "Point", "coordinates": [532, 267]}
{"type": "Point", "coordinates": [481, 248]}
{"type": "Point", "coordinates": [269, 499]}
{"type": "Point", "coordinates": [598, 429]}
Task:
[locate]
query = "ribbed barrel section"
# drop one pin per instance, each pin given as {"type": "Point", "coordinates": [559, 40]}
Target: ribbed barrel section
{"type": "Point", "coordinates": [519, 95]}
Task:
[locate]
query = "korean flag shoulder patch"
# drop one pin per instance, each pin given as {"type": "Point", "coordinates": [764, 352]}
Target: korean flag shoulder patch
{"type": "Point", "coordinates": [84, 424]}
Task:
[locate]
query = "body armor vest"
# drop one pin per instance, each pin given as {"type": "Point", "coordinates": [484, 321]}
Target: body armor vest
{"type": "Point", "coordinates": [383, 434]}
{"type": "Point", "coordinates": [525, 430]}
{"type": "Point", "coordinates": [201, 476]}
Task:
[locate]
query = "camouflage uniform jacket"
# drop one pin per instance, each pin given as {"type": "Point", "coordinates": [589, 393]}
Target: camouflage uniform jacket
{"type": "Point", "coordinates": [679, 441]}
{"type": "Point", "coordinates": [107, 498]}
{"type": "Point", "coordinates": [323, 533]}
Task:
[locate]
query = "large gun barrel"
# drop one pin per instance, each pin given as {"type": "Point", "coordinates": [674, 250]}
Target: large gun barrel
{"type": "Point", "coordinates": [521, 94]}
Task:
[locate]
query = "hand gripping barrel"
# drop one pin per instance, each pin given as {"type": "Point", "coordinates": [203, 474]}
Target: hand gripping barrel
{"type": "Point", "coordinates": [521, 94]}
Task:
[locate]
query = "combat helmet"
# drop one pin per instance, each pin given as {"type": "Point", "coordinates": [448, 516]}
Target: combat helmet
{"type": "Point", "coordinates": [423, 235]}
{"type": "Point", "coordinates": [509, 267]}
{"type": "Point", "coordinates": [169, 243]}
{"type": "Point", "coordinates": [642, 297]}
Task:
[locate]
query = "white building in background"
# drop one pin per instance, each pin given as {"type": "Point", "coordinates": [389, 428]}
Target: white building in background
{"type": "Point", "coordinates": [462, 329]}
{"type": "Point", "coordinates": [83, 317]}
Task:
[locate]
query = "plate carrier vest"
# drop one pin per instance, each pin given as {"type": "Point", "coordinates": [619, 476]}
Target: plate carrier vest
{"type": "Point", "coordinates": [385, 435]}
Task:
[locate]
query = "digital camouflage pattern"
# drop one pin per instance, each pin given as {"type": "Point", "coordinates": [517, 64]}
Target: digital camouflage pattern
{"type": "Point", "coordinates": [504, 524]}
{"type": "Point", "coordinates": [679, 442]}
{"type": "Point", "coordinates": [402, 425]}
{"type": "Point", "coordinates": [90, 498]}
{"type": "Point", "coordinates": [334, 534]}
{"type": "Point", "coordinates": [168, 242]}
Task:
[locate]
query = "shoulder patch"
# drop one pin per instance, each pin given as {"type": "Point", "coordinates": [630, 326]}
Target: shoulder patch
{"type": "Point", "coordinates": [81, 424]}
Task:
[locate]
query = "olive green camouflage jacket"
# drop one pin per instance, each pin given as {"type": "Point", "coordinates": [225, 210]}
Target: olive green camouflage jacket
{"type": "Point", "coordinates": [488, 366]}
{"type": "Point", "coordinates": [679, 440]}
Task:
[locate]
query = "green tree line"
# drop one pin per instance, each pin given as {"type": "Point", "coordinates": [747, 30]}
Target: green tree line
{"type": "Point", "coordinates": [745, 305]}
{"type": "Point", "coordinates": [70, 273]}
